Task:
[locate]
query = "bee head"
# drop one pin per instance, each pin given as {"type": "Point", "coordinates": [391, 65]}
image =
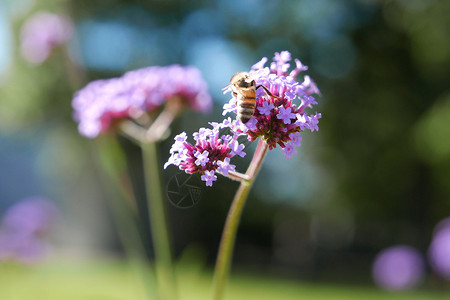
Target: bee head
{"type": "Point", "coordinates": [242, 80]}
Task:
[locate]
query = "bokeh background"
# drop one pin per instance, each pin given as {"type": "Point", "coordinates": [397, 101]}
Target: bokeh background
{"type": "Point", "coordinates": [376, 175]}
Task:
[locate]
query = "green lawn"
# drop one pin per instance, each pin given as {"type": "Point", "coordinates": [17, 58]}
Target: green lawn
{"type": "Point", "coordinates": [113, 280]}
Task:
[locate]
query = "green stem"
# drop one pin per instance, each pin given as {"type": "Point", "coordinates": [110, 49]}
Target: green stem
{"type": "Point", "coordinates": [158, 223]}
{"type": "Point", "coordinates": [226, 247]}
{"type": "Point", "coordinates": [112, 160]}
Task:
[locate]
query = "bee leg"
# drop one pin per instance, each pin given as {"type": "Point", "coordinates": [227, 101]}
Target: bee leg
{"type": "Point", "coordinates": [267, 91]}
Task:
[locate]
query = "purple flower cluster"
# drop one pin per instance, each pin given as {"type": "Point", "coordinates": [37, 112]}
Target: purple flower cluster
{"type": "Point", "coordinates": [103, 102]}
{"type": "Point", "coordinates": [42, 33]}
{"type": "Point", "coordinates": [210, 153]}
{"type": "Point", "coordinates": [280, 120]}
{"type": "Point", "coordinates": [276, 120]}
{"type": "Point", "coordinates": [398, 268]}
{"type": "Point", "coordinates": [23, 227]}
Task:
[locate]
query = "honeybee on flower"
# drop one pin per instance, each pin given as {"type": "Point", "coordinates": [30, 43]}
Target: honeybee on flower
{"type": "Point", "coordinates": [244, 88]}
{"type": "Point", "coordinates": [278, 116]}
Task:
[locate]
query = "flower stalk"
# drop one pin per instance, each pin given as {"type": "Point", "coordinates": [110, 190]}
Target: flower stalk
{"type": "Point", "coordinates": [112, 161]}
{"type": "Point", "coordinates": [155, 200]}
{"type": "Point", "coordinates": [174, 106]}
{"type": "Point", "coordinates": [158, 223]}
{"type": "Point", "coordinates": [147, 139]}
{"type": "Point", "coordinates": [227, 242]}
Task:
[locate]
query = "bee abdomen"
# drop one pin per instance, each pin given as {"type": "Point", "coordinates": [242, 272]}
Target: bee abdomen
{"type": "Point", "coordinates": [246, 108]}
{"type": "Point", "coordinates": [244, 118]}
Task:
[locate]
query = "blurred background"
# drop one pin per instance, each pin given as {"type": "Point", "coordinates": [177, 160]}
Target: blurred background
{"type": "Point", "coordinates": [376, 177]}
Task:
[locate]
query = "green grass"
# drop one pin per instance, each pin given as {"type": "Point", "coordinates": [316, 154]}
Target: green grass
{"type": "Point", "coordinates": [114, 280]}
{"type": "Point", "coordinates": [77, 280]}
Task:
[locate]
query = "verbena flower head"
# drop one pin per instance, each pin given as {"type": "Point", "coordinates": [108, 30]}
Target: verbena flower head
{"type": "Point", "coordinates": [210, 153]}
{"type": "Point", "coordinates": [43, 32]}
{"type": "Point", "coordinates": [103, 102]}
{"type": "Point", "coordinates": [280, 120]}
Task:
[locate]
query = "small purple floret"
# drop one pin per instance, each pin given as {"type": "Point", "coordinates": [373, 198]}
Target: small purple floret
{"type": "Point", "coordinates": [266, 108]}
{"type": "Point", "coordinates": [225, 166]}
{"type": "Point", "coordinates": [202, 158]}
{"type": "Point", "coordinates": [209, 177]}
{"type": "Point", "coordinates": [286, 115]}
{"type": "Point", "coordinates": [289, 150]}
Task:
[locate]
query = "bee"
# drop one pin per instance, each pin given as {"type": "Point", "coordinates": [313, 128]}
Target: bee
{"type": "Point", "coordinates": [244, 88]}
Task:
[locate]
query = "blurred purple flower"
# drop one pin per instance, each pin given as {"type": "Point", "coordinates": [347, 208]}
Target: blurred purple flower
{"type": "Point", "coordinates": [43, 32]}
{"type": "Point", "coordinates": [102, 102]}
{"type": "Point", "coordinates": [20, 248]}
{"type": "Point", "coordinates": [30, 216]}
{"type": "Point", "coordinates": [22, 228]}
{"type": "Point", "coordinates": [439, 250]}
{"type": "Point", "coordinates": [398, 268]}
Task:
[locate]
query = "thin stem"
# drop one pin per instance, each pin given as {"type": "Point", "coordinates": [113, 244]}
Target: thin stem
{"type": "Point", "coordinates": [147, 138]}
{"type": "Point", "coordinates": [158, 224]}
{"type": "Point", "coordinates": [173, 107]}
{"type": "Point", "coordinates": [255, 165]}
{"type": "Point", "coordinates": [112, 161]}
{"type": "Point", "coordinates": [225, 254]}
{"type": "Point", "coordinates": [133, 131]}
{"type": "Point", "coordinates": [140, 135]}
{"type": "Point", "coordinates": [160, 125]}
{"type": "Point", "coordinates": [76, 75]}
{"type": "Point", "coordinates": [237, 176]}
